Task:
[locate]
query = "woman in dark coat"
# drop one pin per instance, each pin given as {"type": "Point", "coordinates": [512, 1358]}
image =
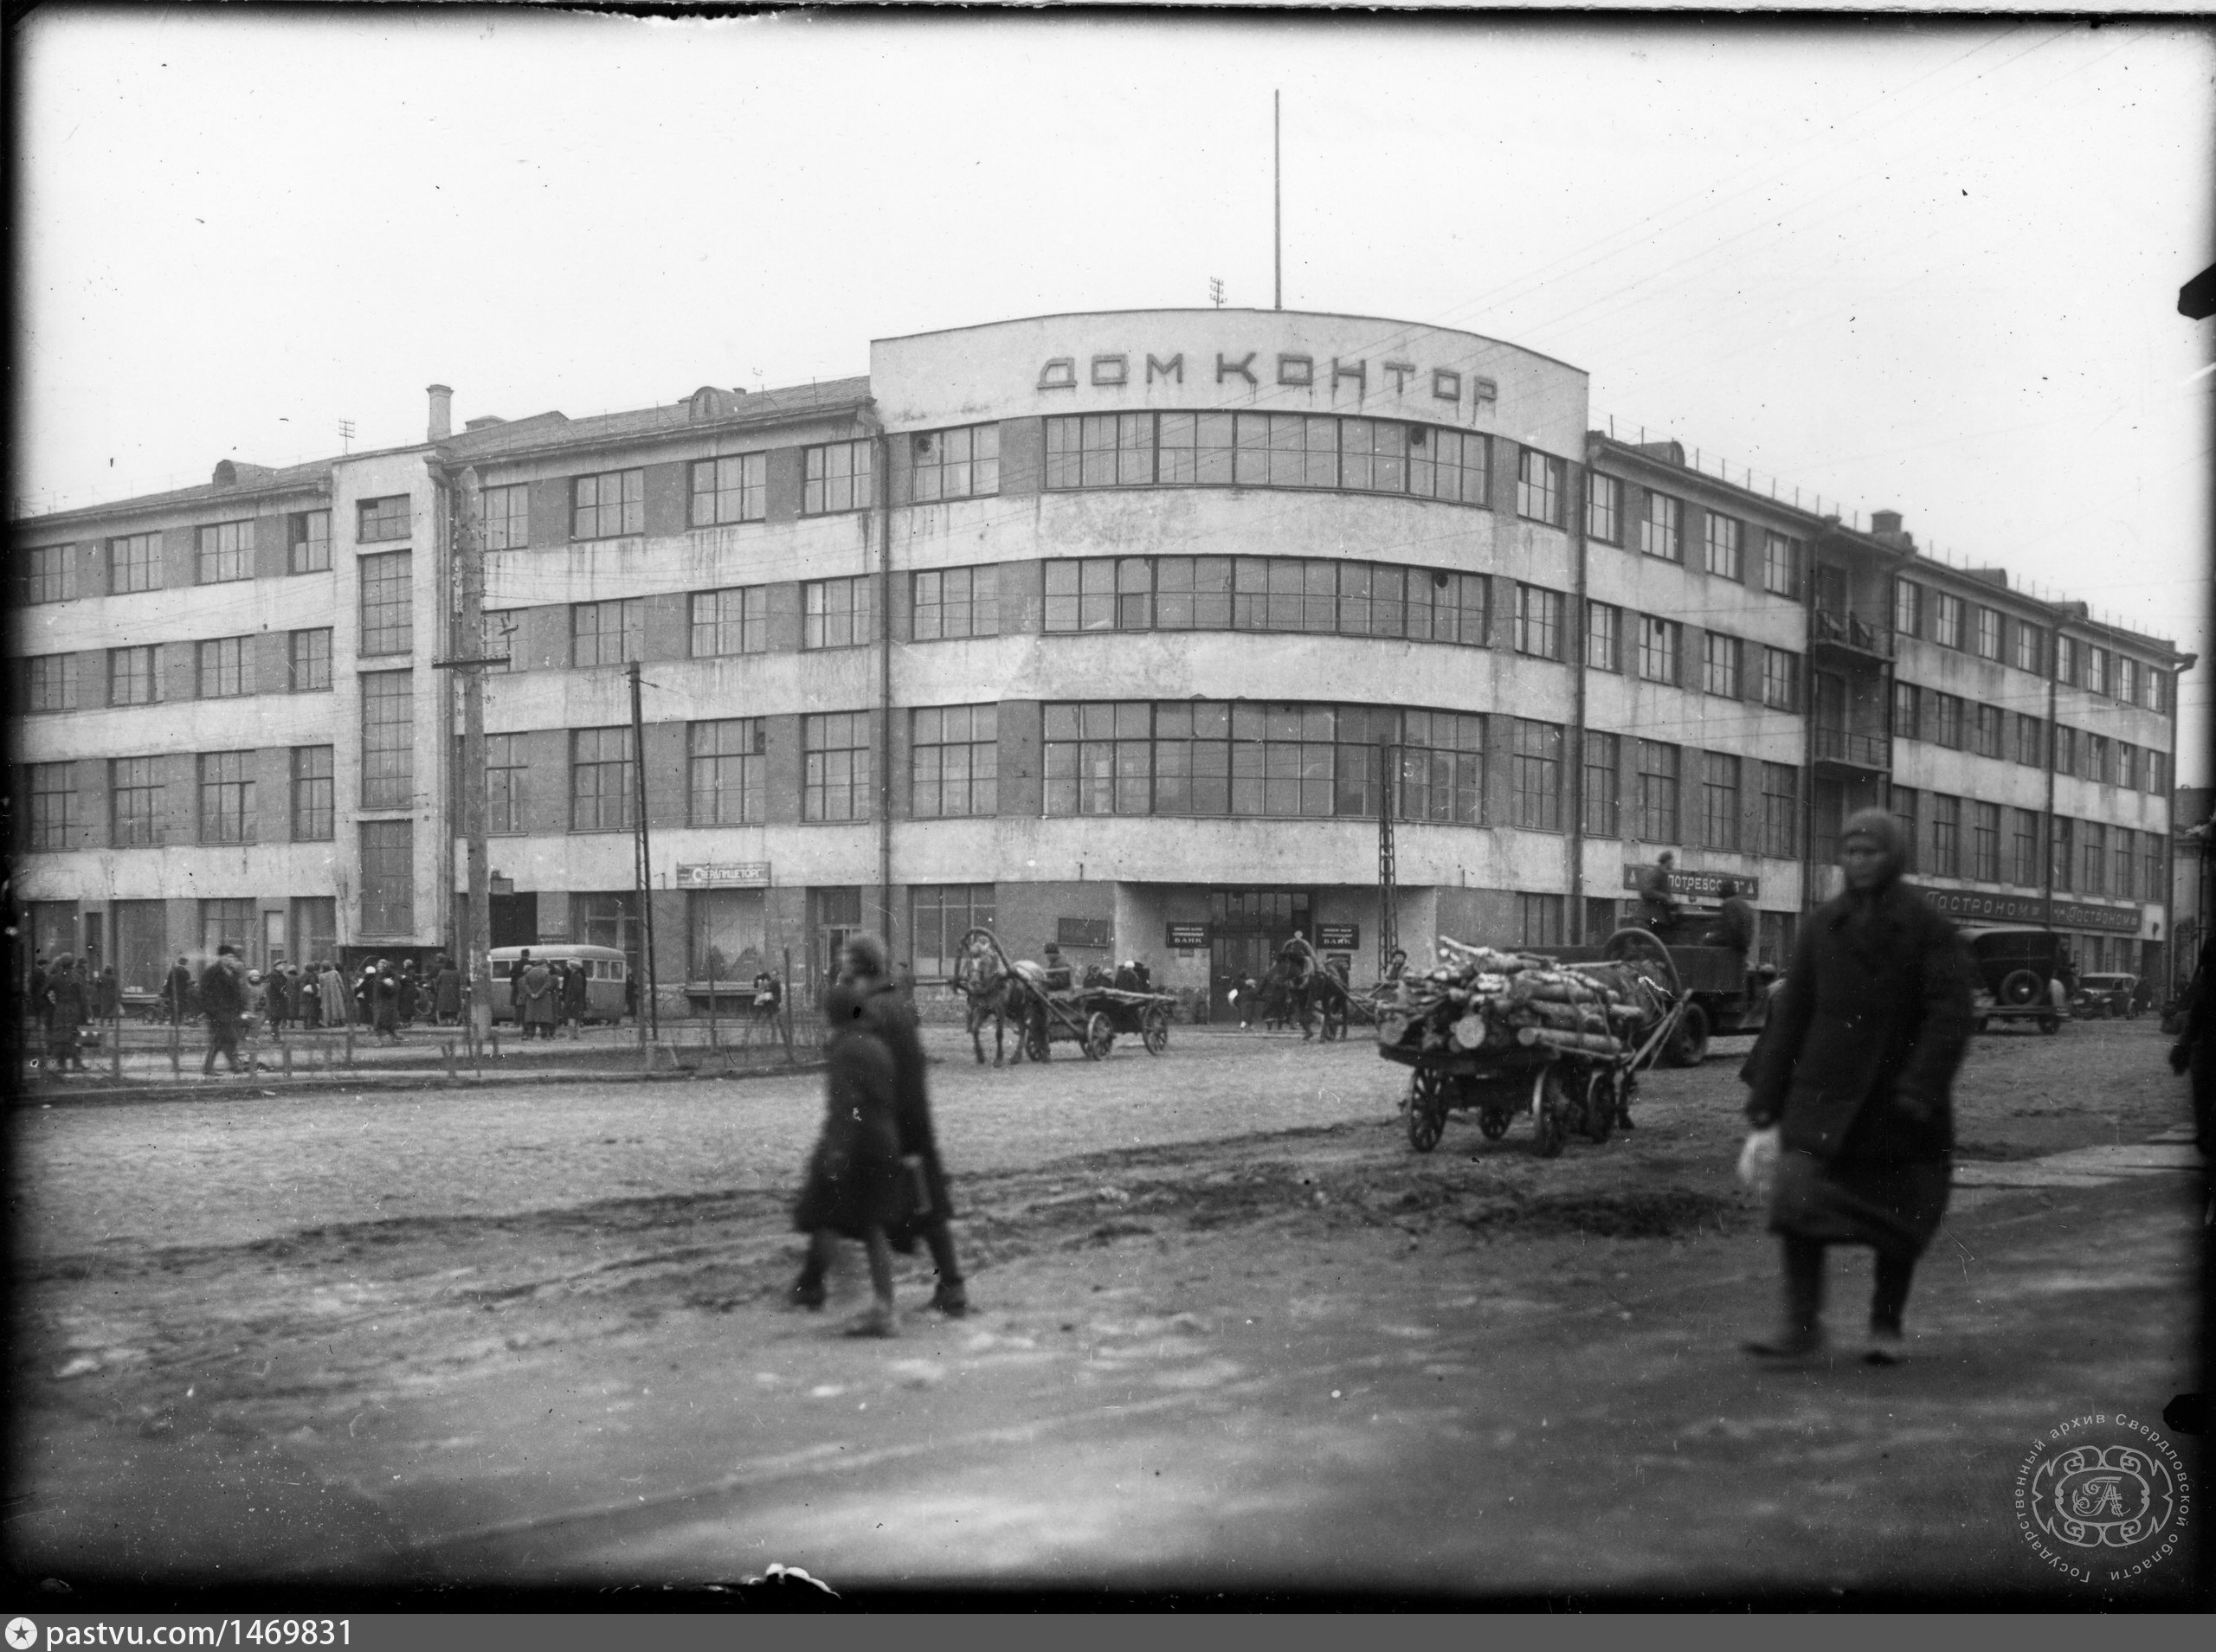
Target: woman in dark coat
{"type": "Point", "coordinates": [854, 1176]}
{"type": "Point", "coordinates": [576, 998]}
{"type": "Point", "coordinates": [411, 992]}
{"type": "Point", "coordinates": [67, 1006]}
{"type": "Point", "coordinates": [384, 997]}
{"type": "Point", "coordinates": [445, 993]}
{"type": "Point", "coordinates": [1856, 1068]}
{"type": "Point", "coordinates": [538, 1000]}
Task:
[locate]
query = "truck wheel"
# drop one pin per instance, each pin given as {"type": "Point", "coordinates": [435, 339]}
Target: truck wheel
{"type": "Point", "coordinates": [1689, 1045]}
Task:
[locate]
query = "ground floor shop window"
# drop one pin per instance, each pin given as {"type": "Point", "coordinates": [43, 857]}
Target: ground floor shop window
{"type": "Point", "coordinates": [227, 924]}
{"type": "Point", "coordinates": [388, 877]}
{"type": "Point", "coordinates": [141, 945]}
{"type": "Point", "coordinates": [315, 929]}
{"type": "Point", "coordinates": [724, 928]}
{"type": "Point", "coordinates": [1538, 920]}
{"type": "Point", "coordinates": [941, 914]}
{"type": "Point", "coordinates": [834, 914]}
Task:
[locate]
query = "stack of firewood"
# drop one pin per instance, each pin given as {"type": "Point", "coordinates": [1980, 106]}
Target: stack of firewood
{"type": "Point", "coordinates": [1476, 998]}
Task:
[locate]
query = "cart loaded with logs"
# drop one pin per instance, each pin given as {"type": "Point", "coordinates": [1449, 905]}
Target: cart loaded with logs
{"type": "Point", "coordinates": [1052, 1011]}
{"type": "Point", "coordinates": [1509, 1032]}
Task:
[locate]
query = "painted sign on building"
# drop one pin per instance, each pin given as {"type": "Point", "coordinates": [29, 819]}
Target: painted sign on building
{"type": "Point", "coordinates": [1185, 937]}
{"type": "Point", "coordinates": [1339, 937]}
{"type": "Point", "coordinates": [730, 874]}
{"type": "Point", "coordinates": [1972, 906]}
{"type": "Point", "coordinates": [1710, 884]}
{"type": "Point", "coordinates": [1083, 932]}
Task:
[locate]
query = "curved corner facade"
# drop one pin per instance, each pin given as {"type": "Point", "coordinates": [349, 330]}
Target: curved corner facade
{"type": "Point", "coordinates": [1114, 630]}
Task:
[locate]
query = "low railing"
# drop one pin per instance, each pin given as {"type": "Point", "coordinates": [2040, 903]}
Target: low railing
{"type": "Point", "coordinates": [1846, 746]}
{"type": "Point", "coordinates": [1851, 631]}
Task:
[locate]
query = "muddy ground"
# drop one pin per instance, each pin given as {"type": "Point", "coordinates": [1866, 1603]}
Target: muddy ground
{"type": "Point", "coordinates": [1230, 1333]}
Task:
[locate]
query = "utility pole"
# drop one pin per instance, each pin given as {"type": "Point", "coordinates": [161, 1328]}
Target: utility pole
{"type": "Point", "coordinates": [1388, 916]}
{"type": "Point", "coordinates": [466, 657]}
{"type": "Point", "coordinates": [1276, 206]}
{"type": "Point", "coordinates": [650, 1010]}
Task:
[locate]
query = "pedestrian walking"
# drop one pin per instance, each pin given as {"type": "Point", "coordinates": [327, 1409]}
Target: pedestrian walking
{"type": "Point", "coordinates": [223, 1002]}
{"type": "Point", "coordinates": [576, 999]}
{"type": "Point", "coordinates": [279, 999]}
{"type": "Point", "coordinates": [176, 992]}
{"type": "Point", "coordinates": [515, 990]}
{"type": "Point", "coordinates": [1857, 1069]}
{"type": "Point", "coordinates": [108, 995]}
{"type": "Point", "coordinates": [338, 1002]}
{"type": "Point", "coordinates": [308, 998]}
{"type": "Point", "coordinates": [384, 999]}
{"type": "Point", "coordinates": [411, 993]}
{"type": "Point", "coordinates": [854, 1185]}
{"type": "Point", "coordinates": [446, 993]}
{"type": "Point", "coordinates": [67, 1007]}
{"type": "Point", "coordinates": [893, 1019]}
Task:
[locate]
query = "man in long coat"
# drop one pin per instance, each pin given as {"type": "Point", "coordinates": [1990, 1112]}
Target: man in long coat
{"type": "Point", "coordinates": [222, 1001]}
{"type": "Point", "coordinates": [1857, 1069]}
{"type": "Point", "coordinates": [539, 1005]}
{"type": "Point", "coordinates": [176, 992]}
{"type": "Point", "coordinates": [67, 1006]}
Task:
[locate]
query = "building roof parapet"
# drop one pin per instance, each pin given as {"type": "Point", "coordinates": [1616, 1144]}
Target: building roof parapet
{"type": "Point", "coordinates": [551, 433]}
{"type": "Point", "coordinates": [252, 482]}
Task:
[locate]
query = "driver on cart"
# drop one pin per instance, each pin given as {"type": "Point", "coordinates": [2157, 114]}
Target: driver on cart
{"type": "Point", "coordinates": [1058, 973]}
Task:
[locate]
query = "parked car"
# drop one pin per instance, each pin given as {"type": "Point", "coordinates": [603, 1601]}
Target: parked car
{"type": "Point", "coordinates": [2102, 996]}
{"type": "Point", "coordinates": [2015, 969]}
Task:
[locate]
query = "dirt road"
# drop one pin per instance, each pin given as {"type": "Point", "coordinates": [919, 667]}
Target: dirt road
{"type": "Point", "coordinates": [1231, 1333]}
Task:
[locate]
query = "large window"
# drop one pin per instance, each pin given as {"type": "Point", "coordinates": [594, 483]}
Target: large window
{"type": "Point", "coordinates": [2023, 847]}
{"type": "Point", "coordinates": [1657, 792]}
{"type": "Point", "coordinates": [2065, 659]}
{"type": "Point", "coordinates": [381, 519]}
{"type": "Point", "coordinates": [1946, 835]}
{"type": "Point", "coordinates": [2093, 858]}
{"type": "Point", "coordinates": [307, 542]}
{"type": "Point", "coordinates": [734, 620]}
{"type": "Point", "coordinates": [735, 488]}
{"type": "Point", "coordinates": [497, 645]}
{"type": "Point", "coordinates": [1442, 767]}
{"type": "Point", "coordinates": [227, 922]}
{"type": "Point", "coordinates": [1538, 920]}
{"type": "Point", "coordinates": [835, 766]}
{"type": "Point", "coordinates": [1781, 679]}
{"type": "Point", "coordinates": [1719, 800]}
{"type": "Point", "coordinates": [2127, 765]}
{"type": "Point", "coordinates": [2097, 759]}
{"type": "Point", "coordinates": [726, 931]}
{"type": "Point", "coordinates": [1541, 481]}
{"type": "Point", "coordinates": [1989, 740]}
{"type": "Point", "coordinates": [2027, 650]}
{"type": "Point", "coordinates": [1907, 809]}
{"type": "Point", "coordinates": [2157, 765]}
{"type": "Point", "coordinates": [1723, 546]}
{"type": "Point", "coordinates": [954, 761]}
{"type": "Point", "coordinates": [836, 613]}
{"type": "Point", "coordinates": [1265, 594]}
{"type": "Point", "coordinates": [1098, 760]}
{"type": "Point", "coordinates": [226, 552]}
{"type": "Point", "coordinates": [2062, 851]}
{"type": "Point", "coordinates": [1660, 531]}
{"type": "Point", "coordinates": [1949, 708]}
{"type": "Point", "coordinates": [134, 563]}
{"type": "Point", "coordinates": [1538, 623]}
{"type": "Point", "coordinates": [307, 658]}
{"type": "Point", "coordinates": [49, 574]}
{"type": "Point", "coordinates": [1908, 607]}
{"type": "Point", "coordinates": [2066, 750]}
{"type": "Point", "coordinates": [388, 740]}
{"type": "Point", "coordinates": [602, 780]}
{"type": "Point", "coordinates": [53, 807]}
{"type": "Point", "coordinates": [1720, 664]}
{"type": "Point", "coordinates": [608, 504]}
{"type": "Point", "coordinates": [1603, 784]}
{"type": "Point", "coordinates": [388, 877]}
{"type": "Point", "coordinates": [222, 667]}
{"type": "Point", "coordinates": [507, 769]}
{"type": "Point", "coordinates": [607, 633]}
{"type": "Point", "coordinates": [131, 676]}
{"type": "Point", "coordinates": [135, 802]}
{"type": "Point", "coordinates": [1947, 621]}
{"type": "Point", "coordinates": [836, 477]}
{"type": "Point", "coordinates": [387, 604]}
{"type": "Point", "coordinates": [956, 602]}
{"type": "Point", "coordinates": [506, 515]}
{"type": "Point", "coordinates": [2031, 741]}
{"type": "Point", "coordinates": [1266, 450]}
{"type": "Point", "coordinates": [1604, 510]}
{"type": "Point", "coordinates": [943, 914]}
{"type": "Point", "coordinates": [226, 796]}
{"type": "Point", "coordinates": [1536, 775]}
{"type": "Point", "coordinates": [1906, 725]}
{"type": "Point", "coordinates": [2096, 670]}
{"type": "Point", "coordinates": [1604, 637]}
{"type": "Point", "coordinates": [1657, 648]}
{"type": "Point", "coordinates": [962, 463]}
{"type": "Point", "coordinates": [2150, 864]}
{"type": "Point", "coordinates": [1781, 810]}
{"type": "Point", "coordinates": [1781, 564]}
{"type": "Point", "coordinates": [50, 682]}
{"type": "Point", "coordinates": [727, 763]}
{"type": "Point", "coordinates": [2123, 848]}
{"type": "Point", "coordinates": [2126, 680]}
{"type": "Point", "coordinates": [313, 801]}
{"type": "Point", "coordinates": [1989, 634]}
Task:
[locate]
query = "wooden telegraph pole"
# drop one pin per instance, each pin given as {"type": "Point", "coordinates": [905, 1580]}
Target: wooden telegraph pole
{"type": "Point", "coordinates": [467, 658]}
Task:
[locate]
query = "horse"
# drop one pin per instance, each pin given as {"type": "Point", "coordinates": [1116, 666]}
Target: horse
{"type": "Point", "coordinates": [984, 980]}
{"type": "Point", "coordinates": [1287, 995]}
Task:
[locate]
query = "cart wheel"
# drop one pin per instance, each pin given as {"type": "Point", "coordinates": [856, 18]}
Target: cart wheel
{"type": "Point", "coordinates": [1547, 1112]}
{"type": "Point", "coordinates": [1100, 1037]}
{"type": "Point", "coordinates": [1425, 1107]}
{"type": "Point", "coordinates": [2049, 1025]}
{"type": "Point", "coordinates": [1600, 1105]}
{"type": "Point", "coordinates": [1035, 1042]}
{"type": "Point", "coordinates": [1154, 1031]}
{"type": "Point", "coordinates": [1494, 1123]}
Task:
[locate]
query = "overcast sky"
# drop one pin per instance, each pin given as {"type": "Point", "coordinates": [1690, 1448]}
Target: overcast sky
{"type": "Point", "coordinates": [1929, 267]}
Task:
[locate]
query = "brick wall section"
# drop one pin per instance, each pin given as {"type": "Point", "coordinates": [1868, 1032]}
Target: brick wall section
{"type": "Point", "coordinates": [91, 558]}
{"type": "Point", "coordinates": [271, 671]}
{"type": "Point", "coordinates": [88, 776]}
{"type": "Point", "coordinates": [783, 627]}
{"type": "Point", "coordinates": [668, 784]}
{"type": "Point", "coordinates": [546, 791]}
{"type": "Point", "coordinates": [782, 480]}
{"type": "Point", "coordinates": [1023, 594]}
{"type": "Point", "coordinates": [549, 512]}
{"type": "Point", "coordinates": [177, 670]}
{"type": "Point", "coordinates": [669, 626]}
{"type": "Point", "coordinates": [272, 769]}
{"type": "Point", "coordinates": [269, 547]}
{"type": "Point", "coordinates": [180, 554]}
{"type": "Point", "coordinates": [180, 823]}
{"type": "Point", "coordinates": [668, 500]}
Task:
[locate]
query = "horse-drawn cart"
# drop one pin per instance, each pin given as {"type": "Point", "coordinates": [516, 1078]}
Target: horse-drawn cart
{"type": "Point", "coordinates": [1339, 1006]}
{"type": "Point", "coordinates": [1558, 1064]}
{"type": "Point", "coordinates": [1088, 1017]}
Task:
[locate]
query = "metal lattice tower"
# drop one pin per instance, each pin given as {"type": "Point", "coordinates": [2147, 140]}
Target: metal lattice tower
{"type": "Point", "coordinates": [1389, 923]}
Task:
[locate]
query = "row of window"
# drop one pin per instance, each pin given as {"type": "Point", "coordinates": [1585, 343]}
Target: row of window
{"type": "Point", "coordinates": [1963, 725]}
{"type": "Point", "coordinates": [222, 669]}
{"type": "Point", "coordinates": [224, 789]}
{"type": "Point", "coordinates": [1952, 837]}
{"type": "Point", "coordinates": [1942, 618]}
